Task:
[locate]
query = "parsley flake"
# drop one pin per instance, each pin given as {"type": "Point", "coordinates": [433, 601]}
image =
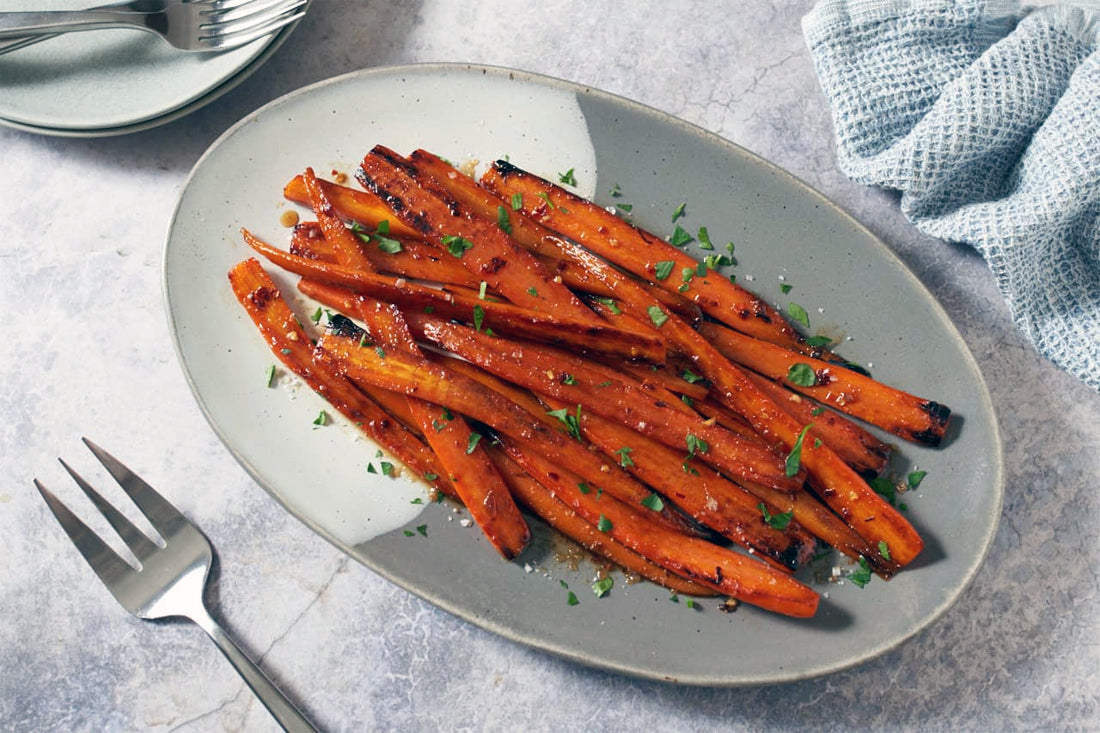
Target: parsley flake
{"type": "Point", "coordinates": [572, 422]}
{"type": "Point", "coordinates": [704, 239]}
{"type": "Point", "coordinates": [584, 488]}
{"type": "Point", "coordinates": [422, 529]}
{"type": "Point", "coordinates": [502, 220]}
{"type": "Point", "coordinates": [663, 269]}
{"type": "Point", "coordinates": [517, 201]}
{"type": "Point", "coordinates": [915, 477]}
{"type": "Point", "coordinates": [775, 521]}
{"type": "Point", "coordinates": [316, 317]}
{"type": "Point", "coordinates": [471, 444]}
{"type": "Point", "coordinates": [602, 586]}
{"type": "Point", "coordinates": [654, 502]}
{"type": "Point", "coordinates": [861, 576]}
{"type": "Point", "coordinates": [798, 314]}
{"type": "Point", "coordinates": [321, 419]}
{"type": "Point", "coordinates": [884, 550]}
{"type": "Point", "coordinates": [680, 237]}
{"type": "Point", "coordinates": [624, 457]}
{"type": "Point", "coordinates": [802, 374]}
{"type": "Point", "coordinates": [679, 212]}
{"type": "Point", "coordinates": [479, 317]}
{"type": "Point", "coordinates": [604, 525]}
{"type": "Point", "coordinates": [696, 444]}
{"type": "Point", "coordinates": [568, 178]}
{"type": "Point", "coordinates": [456, 245]}
{"type": "Point", "coordinates": [785, 288]}
{"type": "Point", "coordinates": [794, 458]}
{"type": "Point", "coordinates": [270, 376]}
{"type": "Point", "coordinates": [571, 599]}
{"type": "Point", "coordinates": [657, 315]}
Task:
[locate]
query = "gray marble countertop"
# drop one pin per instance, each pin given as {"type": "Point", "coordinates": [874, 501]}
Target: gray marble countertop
{"type": "Point", "coordinates": [87, 352]}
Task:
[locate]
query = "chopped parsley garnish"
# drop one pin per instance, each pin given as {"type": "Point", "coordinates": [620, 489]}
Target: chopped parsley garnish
{"type": "Point", "coordinates": [532, 291]}
{"type": "Point", "coordinates": [818, 341]}
{"type": "Point", "coordinates": [546, 198]}
{"type": "Point", "coordinates": [270, 380]}
{"type": "Point", "coordinates": [861, 576]}
{"type": "Point", "coordinates": [417, 500]}
{"type": "Point", "coordinates": [885, 488]}
{"type": "Point", "coordinates": [517, 201]}
{"type": "Point", "coordinates": [457, 246]}
{"type": "Point", "coordinates": [687, 400]}
{"type": "Point", "coordinates": [785, 288]}
{"type": "Point", "coordinates": [680, 237]}
{"type": "Point", "coordinates": [321, 419]}
{"type": "Point", "coordinates": [410, 533]}
{"type": "Point", "coordinates": [568, 178]}
{"type": "Point", "coordinates": [657, 315]}
{"type": "Point", "coordinates": [568, 380]}
{"type": "Point", "coordinates": [611, 305]}
{"type": "Point", "coordinates": [690, 603]}
{"type": "Point", "coordinates": [680, 211]}
{"type": "Point", "coordinates": [915, 477]}
{"type": "Point", "coordinates": [471, 444]}
{"type": "Point", "coordinates": [602, 586]}
{"type": "Point", "coordinates": [624, 457]}
{"type": "Point", "coordinates": [380, 351]}
{"type": "Point", "coordinates": [431, 476]}
{"type": "Point", "coordinates": [422, 529]}
{"type": "Point", "coordinates": [625, 207]}
{"type": "Point", "coordinates": [802, 374]}
{"type": "Point", "coordinates": [605, 383]}
{"type": "Point", "coordinates": [584, 488]}
{"type": "Point", "coordinates": [571, 599]}
{"type": "Point", "coordinates": [884, 550]}
{"type": "Point", "coordinates": [482, 289]}
{"type": "Point", "coordinates": [615, 191]}
{"type": "Point", "coordinates": [371, 468]}
{"type": "Point", "coordinates": [798, 314]}
{"type": "Point", "coordinates": [387, 245]}
{"type": "Point", "coordinates": [664, 269]}
{"type": "Point", "coordinates": [794, 458]}
{"type": "Point", "coordinates": [687, 274]}
{"type": "Point", "coordinates": [316, 317]}
{"type": "Point", "coordinates": [654, 502]}
{"type": "Point", "coordinates": [479, 317]}
{"type": "Point", "coordinates": [604, 525]}
{"type": "Point", "coordinates": [691, 378]}
{"type": "Point", "coordinates": [502, 220]}
{"type": "Point", "coordinates": [572, 422]}
{"type": "Point", "coordinates": [387, 469]}
{"type": "Point", "coordinates": [696, 444]}
{"type": "Point", "coordinates": [704, 239]}
{"type": "Point", "coordinates": [816, 411]}
{"type": "Point", "coordinates": [776, 521]}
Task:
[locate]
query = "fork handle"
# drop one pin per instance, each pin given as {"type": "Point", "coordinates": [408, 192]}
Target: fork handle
{"type": "Point", "coordinates": [282, 709]}
{"type": "Point", "coordinates": [15, 24]}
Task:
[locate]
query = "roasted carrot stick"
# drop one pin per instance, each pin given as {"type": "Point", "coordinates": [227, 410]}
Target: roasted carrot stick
{"type": "Point", "coordinates": [354, 205]}
{"type": "Point", "coordinates": [482, 247]}
{"type": "Point", "coordinates": [415, 259]}
{"type": "Point", "coordinates": [400, 372]}
{"type": "Point", "coordinates": [727, 572]}
{"type": "Point", "coordinates": [905, 415]}
{"type": "Point", "coordinates": [701, 492]}
{"type": "Point", "coordinates": [543, 370]}
{"type": "Point", "coordinates": [282, 332]}
{"type": "Point", "coordinates": [475, 478]}
{"type": "Point", "coordinates": [540, 502]}
{"type": "Point", "coordinates": [502, 317]}
{"type": "Point", "coordinates": [638, 251]}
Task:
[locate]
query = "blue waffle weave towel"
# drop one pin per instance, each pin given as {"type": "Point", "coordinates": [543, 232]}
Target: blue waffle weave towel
{"type": "Point", "coordinates": [986, 117]}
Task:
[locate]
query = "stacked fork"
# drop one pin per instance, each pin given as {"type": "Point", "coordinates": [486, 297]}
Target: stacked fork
{"type": "Point", "coordinates": [189, 25]}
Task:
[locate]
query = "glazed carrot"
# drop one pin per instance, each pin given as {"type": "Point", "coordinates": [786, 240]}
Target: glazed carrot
{"type": "Point", "coordinates": [727, 572]}
{"type": "Point", "coordinates": [353, 205]}
{"type": "Point", "coordinates": [905, 415]}
{"type": "Point", "coordinates": [480, 246]}
{"type": "Point", "coordinates": [474, 477]}
{"type": "Point", "coordinates": [540, 501]}
{"type": "Point", "coordinates": [527, 232]}
{"type": "Point", "coordinates": [502, 317]}
{"type": "Point", "coordinates": [415, 259]}
{"type": "Point", "coordinates": [701, 492]}
{"type": "Point", "coordinates": [282, 332]}
{"type": "Point", "coordinates": [400, 372]}
{"type": "Point", "coordinates": [544, 370]}
{"type": "Point", "coordinates": [637, 251]}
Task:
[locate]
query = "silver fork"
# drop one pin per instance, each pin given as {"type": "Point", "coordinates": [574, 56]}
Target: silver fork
{"type": "Point", "coordinates": [189, 25]}
{"type": "Point", "coordinates": [170, 579]}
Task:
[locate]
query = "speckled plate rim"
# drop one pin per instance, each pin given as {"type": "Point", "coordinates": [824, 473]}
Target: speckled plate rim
{"type": "Point", "coordinates": [985, 525]}
{"type": "Point", "coordinates": [227, 85]}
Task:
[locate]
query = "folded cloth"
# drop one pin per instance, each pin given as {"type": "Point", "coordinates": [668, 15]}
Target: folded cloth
{"type": "Point", "coordinates": [986, 117]}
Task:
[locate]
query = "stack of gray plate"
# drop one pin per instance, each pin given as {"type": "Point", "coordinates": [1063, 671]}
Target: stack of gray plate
{"type": "Point", "coordinates": [111, 82]}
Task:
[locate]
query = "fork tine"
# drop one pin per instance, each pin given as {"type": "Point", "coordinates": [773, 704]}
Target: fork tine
{"type": "Point", "coordinates": [104, 561]}
{"type": "Point", "coordinates": [163, 516]}
{"type": "Point", "coordinates": [238, 10]}
{"type": "Point", "coordinates": [134, 538]}
{"type": "Point", "coordinates": [240, 38]}
{"type": "Point", "coordinates": [240, 21]}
